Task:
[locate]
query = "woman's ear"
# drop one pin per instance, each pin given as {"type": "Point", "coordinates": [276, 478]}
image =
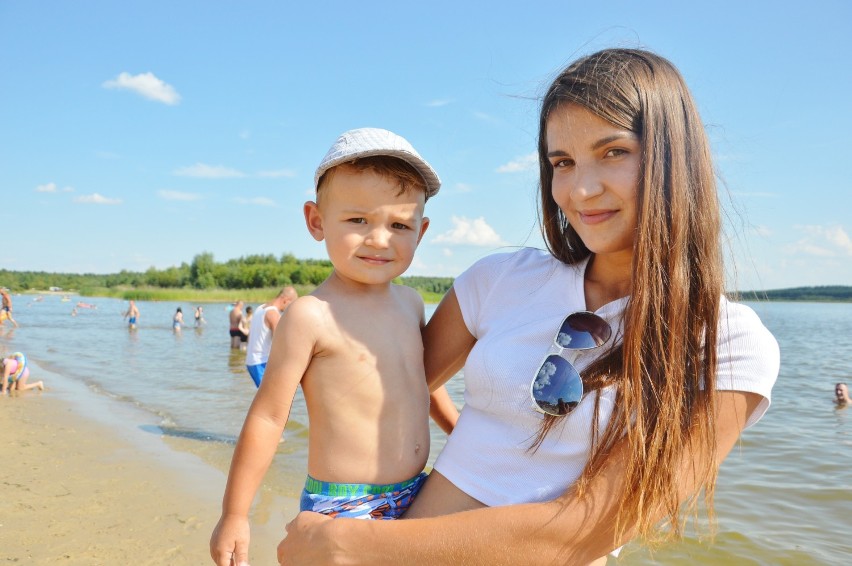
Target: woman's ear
{"type": "Point", "coordinates": [313, 220]}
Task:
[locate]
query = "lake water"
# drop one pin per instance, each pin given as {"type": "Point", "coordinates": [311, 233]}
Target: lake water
{"type": "Point", "coordinates": [784, 496]}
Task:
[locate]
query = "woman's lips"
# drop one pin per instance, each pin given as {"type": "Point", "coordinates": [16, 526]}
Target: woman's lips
{"type": "Point", "coordinates": [596, 216]}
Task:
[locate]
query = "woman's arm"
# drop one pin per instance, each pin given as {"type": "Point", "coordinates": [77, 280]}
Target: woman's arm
{"type": "Point", "coordinates": [568, 530]}
{"type": "Point", "coordinates": [446, 342]}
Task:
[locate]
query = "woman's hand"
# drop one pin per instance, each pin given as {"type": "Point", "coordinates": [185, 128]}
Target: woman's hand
{"type": "Point", "coordinates": [310, 541]}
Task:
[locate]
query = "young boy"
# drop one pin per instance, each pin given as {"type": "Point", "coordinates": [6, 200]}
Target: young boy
{"type": "Point", "coordinates": [353, 345]}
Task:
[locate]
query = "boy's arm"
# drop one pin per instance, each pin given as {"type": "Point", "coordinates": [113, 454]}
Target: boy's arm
{"type": "Point", "coordinates": [442, 409]}
{"type": "Point", "coordinates": [290, 355]}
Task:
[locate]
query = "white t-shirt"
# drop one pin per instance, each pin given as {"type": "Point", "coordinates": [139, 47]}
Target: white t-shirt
{"type": "Point", "coordinates": [260, 338]}
{"type": "Point", "coordinates": [513, 304]}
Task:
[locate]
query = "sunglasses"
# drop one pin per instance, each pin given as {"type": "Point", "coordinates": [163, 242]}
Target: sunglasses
{"type": "Point", "coordinates": [558, 387]}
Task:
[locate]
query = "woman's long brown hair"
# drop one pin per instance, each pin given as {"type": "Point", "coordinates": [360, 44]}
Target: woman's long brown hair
{"type": "Point", "coordinates": [664, 369]}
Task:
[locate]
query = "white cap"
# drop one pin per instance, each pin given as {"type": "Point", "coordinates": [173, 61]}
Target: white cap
{"type": "Point", "coordinates": [367, 142]}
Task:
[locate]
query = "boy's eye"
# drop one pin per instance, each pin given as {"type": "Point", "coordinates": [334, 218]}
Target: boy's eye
{"type": "Point", "coordinates": [357, 220]}
{"type": "Point", "coordinates": [400, 226]}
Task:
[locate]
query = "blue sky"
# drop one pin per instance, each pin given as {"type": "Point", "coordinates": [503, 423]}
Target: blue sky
{"type": "Point", "coordinates": [139, 134]}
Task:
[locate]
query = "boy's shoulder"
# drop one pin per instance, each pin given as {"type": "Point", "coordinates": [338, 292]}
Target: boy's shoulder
{"type": "Point", "coordinates": [408, 297]}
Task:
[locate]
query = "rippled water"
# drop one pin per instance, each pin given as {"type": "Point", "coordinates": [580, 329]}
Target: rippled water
{"type": "Point", "coordinates": [784, 496]}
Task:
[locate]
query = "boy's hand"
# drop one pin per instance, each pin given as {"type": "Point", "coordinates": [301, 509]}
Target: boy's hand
{"type": "Point", "coordinates": [229, 542]}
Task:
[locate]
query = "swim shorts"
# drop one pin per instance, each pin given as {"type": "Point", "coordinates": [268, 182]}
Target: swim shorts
{"type": "Point", "coordinates": [131, 320]}
{"type": "Point", "coordinates": [256, 372]}
{"type": "Point", "coordinates": [360, 500]}
{"type": "Point", "coordinates": [234, 332]}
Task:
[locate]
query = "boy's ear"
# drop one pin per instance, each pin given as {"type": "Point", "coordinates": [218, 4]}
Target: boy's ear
{"type": "Point", "coordinates": [424, 224]}
{"type": "Point", "coordinates": [313, 220]}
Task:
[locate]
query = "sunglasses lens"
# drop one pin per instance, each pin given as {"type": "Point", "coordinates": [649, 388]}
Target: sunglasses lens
{"type": "Point", "coordinates": [557, 388]}
{"type": "Point", "coordinates": [583, 331]}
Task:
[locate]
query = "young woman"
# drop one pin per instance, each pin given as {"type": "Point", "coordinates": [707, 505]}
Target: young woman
{"type": "Point", "coordinates": [630, 215]}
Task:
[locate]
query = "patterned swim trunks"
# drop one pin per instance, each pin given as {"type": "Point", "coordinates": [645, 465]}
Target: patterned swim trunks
{"type": "Point", "coordinates": [360, 500]}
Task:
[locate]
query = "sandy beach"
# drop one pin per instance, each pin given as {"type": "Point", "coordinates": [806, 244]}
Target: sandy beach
{"type": "Point", "coordinates": [78, 491]}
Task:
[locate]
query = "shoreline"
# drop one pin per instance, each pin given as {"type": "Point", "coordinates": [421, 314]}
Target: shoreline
{"type": "Point", "coordinates": [86, 482]}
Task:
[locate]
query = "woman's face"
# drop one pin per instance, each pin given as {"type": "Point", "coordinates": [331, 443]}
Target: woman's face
{"type": "Point", "coordinates": [595, 177]}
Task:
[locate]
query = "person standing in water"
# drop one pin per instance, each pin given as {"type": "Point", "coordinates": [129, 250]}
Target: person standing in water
{"type": "Point", "coordinates": [132, 315]}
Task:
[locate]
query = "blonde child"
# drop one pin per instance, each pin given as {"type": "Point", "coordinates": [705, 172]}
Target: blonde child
{"type": "Point", "coordinates": [16, 373]}
{"type": "Point", "coordinates": [354, 346]}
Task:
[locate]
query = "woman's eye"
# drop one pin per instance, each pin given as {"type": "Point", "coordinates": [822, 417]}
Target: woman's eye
{"type": "Point", "coordinates": [616, 152]}
{"type": "Point", "coordinates": [563, 163]}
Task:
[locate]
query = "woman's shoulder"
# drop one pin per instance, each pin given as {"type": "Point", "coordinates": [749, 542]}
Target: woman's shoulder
{"type": "Point", "coordinates": [521, 258]}
{"type": "Point", "coordinates": [743, 335]}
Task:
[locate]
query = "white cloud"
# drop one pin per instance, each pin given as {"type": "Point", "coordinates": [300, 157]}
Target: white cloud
{"type": "Point", "coordinates": [438, 102]}
{"type": "Point", "coordinates": [485, 117]}
{"type": "Point", "coordinates": [177, 195]}
{"type": "Point", "coordinates": [463, 187]}
{"type": "Point", "coordinates": [277, 173]}
{"type": "Point", "coordinates": [467, 232]}
{"type": "Point", "coordinates": [147, 85]}
{"type": "Point", "coordinates": [208, 171]}
{"type": "Point", "coordinates": [95, 198]}
{"type": "Point", "coordinates": [822, 241]}
{"type": "Point", "coordinates": [46, 188]}
{"type": "Point", "coordinates": [258, 201]}
{"type": "Point", "coordinates": [523, 163]}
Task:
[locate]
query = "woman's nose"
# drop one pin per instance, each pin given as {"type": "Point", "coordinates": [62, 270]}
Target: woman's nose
{"type": "Point", "coordinates": [587, 183]}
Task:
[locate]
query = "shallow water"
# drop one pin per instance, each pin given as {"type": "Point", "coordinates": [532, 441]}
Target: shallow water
{"type": "Point", "coordinates": [784, 495]}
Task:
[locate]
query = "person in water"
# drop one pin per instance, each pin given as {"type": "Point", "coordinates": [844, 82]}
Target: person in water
{"type": "Point", "coordinates": [841, 395]}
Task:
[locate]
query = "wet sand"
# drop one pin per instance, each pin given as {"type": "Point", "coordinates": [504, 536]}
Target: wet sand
{"type": "Point", "coordinates": [77, 490]}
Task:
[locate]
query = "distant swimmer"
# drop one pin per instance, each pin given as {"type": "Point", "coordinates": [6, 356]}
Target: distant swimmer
{"type": "Point", "coordinates": [6, 308]}
{"type": "Point", "coordinates": [132, 315]}
{"type": "Point", "coordinates": [245, 325]}
{"type": "Point", "coordinates": [234, 317]}
{"type": "Point", "coordinates": [261, 329]}
{"type": "Point", "coordinates": [16, 373]}
{"type": "Point", "coordinates": [177, 321]}
{"type": "Point", "coordinates": [841, 395]}
{"type": "Point", "coordinates": [199, 316]}
{"type": "Point", "coordinates": [82, 305]}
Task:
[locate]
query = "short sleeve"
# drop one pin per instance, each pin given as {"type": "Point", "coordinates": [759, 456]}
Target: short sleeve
{"type": "Point", "coordinates": [474, 286]}
{"type": "Point", "coordinates": [748, 357]}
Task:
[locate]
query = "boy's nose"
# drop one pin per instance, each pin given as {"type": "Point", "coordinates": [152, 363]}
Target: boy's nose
{"type": "Point", "coordinates": [378, 237]}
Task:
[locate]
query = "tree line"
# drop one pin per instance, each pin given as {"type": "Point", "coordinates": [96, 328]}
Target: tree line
{"type": "Point", "coordinates": [249, 272]}
{"type": "Point", "coordinates": [827, 293]}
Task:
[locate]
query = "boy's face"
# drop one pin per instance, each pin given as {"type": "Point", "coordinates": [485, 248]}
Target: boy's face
{"type": "Point", "coordinates": [370, 231]}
